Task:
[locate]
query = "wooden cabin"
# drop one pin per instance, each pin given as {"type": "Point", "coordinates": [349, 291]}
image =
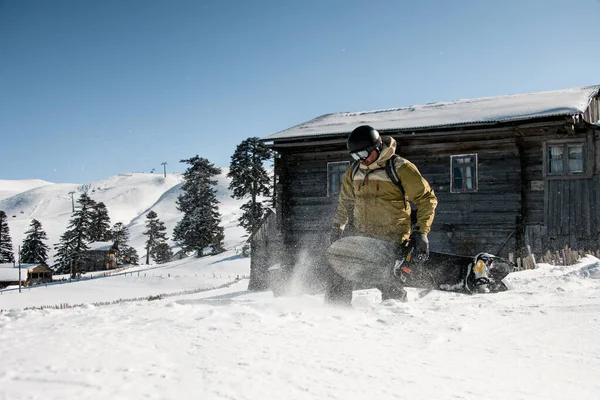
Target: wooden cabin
{"type": "Point", "coordinates": [509, 171]}
{"type": "Point", "coordinates": [101, 256]}
{"type": "Point", "coordinates": [31, 274]}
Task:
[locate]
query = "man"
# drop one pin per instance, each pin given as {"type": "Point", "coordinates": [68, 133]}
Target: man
{"type": "Point", "coordinates": [373, 205]}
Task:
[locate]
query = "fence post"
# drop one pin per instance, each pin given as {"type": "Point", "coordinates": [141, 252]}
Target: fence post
{"type": "Point", "coordinates": [532, 257]}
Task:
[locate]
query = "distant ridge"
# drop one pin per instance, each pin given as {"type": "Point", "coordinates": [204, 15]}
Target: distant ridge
{"type": "Point", "coordinates": [127, 196]}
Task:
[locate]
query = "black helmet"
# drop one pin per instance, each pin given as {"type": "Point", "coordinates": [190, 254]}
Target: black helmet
{"type": "Point", "coordinates": [364, 137]}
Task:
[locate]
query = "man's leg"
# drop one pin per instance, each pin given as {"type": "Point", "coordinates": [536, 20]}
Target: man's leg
{"type": "Point", "coordinates": [393, 292]}
{"type": "Point", "coordinates": [338, 290]}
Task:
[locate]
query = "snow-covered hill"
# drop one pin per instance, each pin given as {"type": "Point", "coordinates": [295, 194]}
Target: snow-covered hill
{"type": "Point", "coordinates": [11, 187]}
{"type": "Point", "coordinates": [128, 198]}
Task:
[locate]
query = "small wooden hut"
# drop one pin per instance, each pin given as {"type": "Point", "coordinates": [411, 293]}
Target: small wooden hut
{"type": "Point", "coordinates": [31, 274]}
{"type": "Point", "coordinates": [102, 256]}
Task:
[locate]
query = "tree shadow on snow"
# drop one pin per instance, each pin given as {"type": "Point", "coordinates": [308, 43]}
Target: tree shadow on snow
{"type": "Point", "coordinates": [221, 300]}
{"type": "Point", "coordinates": [230, 258]}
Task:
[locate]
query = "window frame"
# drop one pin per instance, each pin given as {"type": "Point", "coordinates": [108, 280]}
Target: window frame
{"type": "Point", "coordinates": [475, 178]}
{"type": "Point", "coordinates": [587, 158]}
{"type": "Point", "coordinates": [329, 165]}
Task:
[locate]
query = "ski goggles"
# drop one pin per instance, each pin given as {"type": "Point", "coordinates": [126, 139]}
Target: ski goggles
{"type": "Point", "coordinates": [364, 153]}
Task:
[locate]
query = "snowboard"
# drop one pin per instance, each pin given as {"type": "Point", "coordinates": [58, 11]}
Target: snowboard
{"type": "Point", "coordinates": [374, 262]}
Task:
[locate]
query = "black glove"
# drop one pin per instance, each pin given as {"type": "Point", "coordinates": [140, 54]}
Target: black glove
{"type": "Point", "coordinates": [335, 235]}
{"type": "Point", "coordinates": [420, 245]}
{"type": "Point", "coordinates": [403, 254]}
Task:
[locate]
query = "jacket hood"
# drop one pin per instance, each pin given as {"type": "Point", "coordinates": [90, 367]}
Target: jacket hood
{"type": "Point", "coordinates": [387, 151]}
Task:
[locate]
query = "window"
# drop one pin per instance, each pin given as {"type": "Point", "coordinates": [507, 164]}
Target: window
{"type": "Point", "coordinates": [463, 173]}
{"type": "Point", "coordinates": [335, 174]}
{"type": "Point", "coordinates": [565, 159]}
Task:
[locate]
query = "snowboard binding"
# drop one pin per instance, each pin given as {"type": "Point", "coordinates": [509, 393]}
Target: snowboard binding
{"type": "Point", "coordinates": [484, 274]}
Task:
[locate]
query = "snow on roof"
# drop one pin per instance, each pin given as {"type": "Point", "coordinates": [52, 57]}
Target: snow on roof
{"type": "Point", "coordinates": [10, 273]}
{"type": "Point", "coordinates": [104, 246]}
{"type": "Point", "coordinates": [459, 112]}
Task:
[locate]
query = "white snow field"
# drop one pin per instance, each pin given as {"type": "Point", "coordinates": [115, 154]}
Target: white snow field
{"type": "Point", "coordinates": [540, 340]}
{"type": "Point", "coordinates": [536, 341]}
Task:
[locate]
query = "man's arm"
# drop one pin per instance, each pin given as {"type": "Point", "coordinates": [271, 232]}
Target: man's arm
{"type": "Point", "coordinates": [420, 193]}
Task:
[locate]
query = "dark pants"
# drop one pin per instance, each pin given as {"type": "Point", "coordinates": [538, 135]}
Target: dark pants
{"type": "Point", "coordinates": [338, 290]}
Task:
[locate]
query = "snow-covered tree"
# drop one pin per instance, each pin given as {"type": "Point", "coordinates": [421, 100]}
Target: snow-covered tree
{"type": "Point", "coordinates": [100, 224]}
{"type": "Point", "coordinates": [6, 250]}
{"type": "Point", "coordinates": [199, 228]}
{"type": "Point", "coordinates": [72, 250]}
{"type": "Point", "coordinates": [157, 234]}
{"type": "Point", "coordinates": [34, 250]}
{"type": "Point", "coordinates": [249, 178]}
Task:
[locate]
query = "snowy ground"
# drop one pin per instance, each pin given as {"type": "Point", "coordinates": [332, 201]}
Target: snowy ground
{"type": "Point", "coordinates": [133, 282]}
{"type": "Point", "coordinates": [537, 341]}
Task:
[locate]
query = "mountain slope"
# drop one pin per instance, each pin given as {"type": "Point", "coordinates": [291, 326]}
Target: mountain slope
{"type": "Point", "coordinates": [128, 198]}
{"type": "Point", "coordinates": [10, 188]}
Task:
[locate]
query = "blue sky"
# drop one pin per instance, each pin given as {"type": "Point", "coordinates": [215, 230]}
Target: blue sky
{"type": "Point", "coordinates": [90, 89]}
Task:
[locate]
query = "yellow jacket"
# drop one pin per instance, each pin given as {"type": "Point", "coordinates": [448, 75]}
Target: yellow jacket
{"type": "Point", "coordinates": [377, 205]}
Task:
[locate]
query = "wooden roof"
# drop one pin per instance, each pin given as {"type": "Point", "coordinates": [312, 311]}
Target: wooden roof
{"type": "Point", "coordinates": [480, 111]}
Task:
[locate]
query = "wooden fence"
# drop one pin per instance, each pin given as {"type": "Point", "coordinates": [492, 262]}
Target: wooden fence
{"type": "Point", "coordinates": [161, 296]}
{"type": "Point", "coordinates": [565, 256]}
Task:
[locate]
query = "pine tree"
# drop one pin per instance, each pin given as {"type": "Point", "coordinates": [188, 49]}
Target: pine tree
{"type": "Point", "coordinates": [125, 253]}
{"type": "Point", "coordinates": [199, 228]}
{"type": "Point", "coordinates": [100, 224]}
{"type": "Point", "coordinates": [120, 235]}
{"type": "Point", "coordinates": [157, 234]}
{"type": "Point", "coordinates": [64, 253]}
{"type": "Point", "coordinates": [72, 250]}
{"type": "Point", "coordinates": [6, 251]}
{"type": "Point", "coordinates": [34, 250]}
{"type": "Point", "coordinates": [162, 253]}
{"type": "Point", "coordinates": [252, 215]}
{"type": "Point", "coordinates": [250, 178]}
{"type": "Point", "coordinates": [128, 255]}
